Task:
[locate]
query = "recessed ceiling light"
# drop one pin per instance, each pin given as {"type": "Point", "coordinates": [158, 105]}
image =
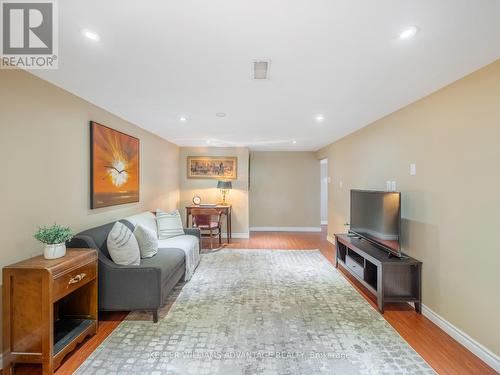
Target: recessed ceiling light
{"type": "Point", "coordinates": [294, 141]}
{"type": "Point", "coordinates": [91, 35]}
{"type": "Point", "coordinates": [220, 114]}
{"type": "Point", "coordinates": [319, 118]}
{"type": "Point", "coordinates": [183, 119]}
{"type": "Point", "coordinates": [408, 33]}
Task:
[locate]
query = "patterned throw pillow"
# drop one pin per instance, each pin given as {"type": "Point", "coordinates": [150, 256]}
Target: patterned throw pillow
{"type": "Point", "coordinates": [148, 243]}
{"type": "Point", "coordinates": [122, 246]}
{"type": "Point", "coordinates": [169, 224]}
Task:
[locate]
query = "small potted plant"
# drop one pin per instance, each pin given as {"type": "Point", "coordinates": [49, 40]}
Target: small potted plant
{"type": "Point", "coordinates": [54, 238]}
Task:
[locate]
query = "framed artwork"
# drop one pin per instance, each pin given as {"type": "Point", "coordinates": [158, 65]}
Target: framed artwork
{"type": "Point", "coordinates": [114, 167]}
{"type": "Point", "coordinates": [214, 167]}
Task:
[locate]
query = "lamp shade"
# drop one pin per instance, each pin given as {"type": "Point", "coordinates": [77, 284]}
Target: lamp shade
{"type": "Point", "coordinates": [224, 185]}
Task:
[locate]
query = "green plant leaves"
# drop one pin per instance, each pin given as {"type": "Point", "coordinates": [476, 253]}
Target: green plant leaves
{"type": "Point", "coordinates": [54, 235]}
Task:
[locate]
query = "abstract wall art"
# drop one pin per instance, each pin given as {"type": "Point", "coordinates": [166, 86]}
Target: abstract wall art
{"type": "Point", "coordinates": [114, 167]}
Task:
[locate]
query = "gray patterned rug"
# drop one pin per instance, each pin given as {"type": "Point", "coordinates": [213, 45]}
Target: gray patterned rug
{"type": "Point", "coordinates": [259, 312]}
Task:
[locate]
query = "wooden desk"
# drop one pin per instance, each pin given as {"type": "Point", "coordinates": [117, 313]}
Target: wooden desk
{"type": "Point", "coordinates": [226, 211]}
{"type": "Point", "coordinates": [49, 307]}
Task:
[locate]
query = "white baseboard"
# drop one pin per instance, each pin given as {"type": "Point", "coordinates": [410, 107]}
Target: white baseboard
{"type": "Point", "coordinates": [324, 222]}
{"type": "Point", "coordinates": [330, 239]}
{"type": "Point", "coordinates": [237, 235]}
{"type": "Point", "coordinates": [285, 229]}
{"type": "Point", "coordinates": [486, 355]}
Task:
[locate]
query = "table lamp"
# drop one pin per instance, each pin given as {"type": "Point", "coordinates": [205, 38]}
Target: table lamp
{"type": "Point", "coordinates": [224, 187]}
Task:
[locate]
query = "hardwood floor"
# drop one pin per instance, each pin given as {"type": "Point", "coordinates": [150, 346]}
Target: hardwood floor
{"type": "Point", "coordinates": [442, 352]}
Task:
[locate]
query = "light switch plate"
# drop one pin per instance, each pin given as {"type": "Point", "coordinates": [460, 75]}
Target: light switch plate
{"type": "Point", "coordinates": [413, 169]}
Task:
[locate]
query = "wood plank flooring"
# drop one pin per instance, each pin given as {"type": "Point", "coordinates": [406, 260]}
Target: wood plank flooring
{"type": "Point", "coordinates": [442, 352]}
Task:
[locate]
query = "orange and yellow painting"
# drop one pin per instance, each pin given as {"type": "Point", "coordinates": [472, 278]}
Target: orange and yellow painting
{"type": "Point", "coordinates": [114, 167]}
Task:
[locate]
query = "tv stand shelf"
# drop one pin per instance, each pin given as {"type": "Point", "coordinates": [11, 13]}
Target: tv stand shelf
{"type": "Point", "coordinates": [389, 278]}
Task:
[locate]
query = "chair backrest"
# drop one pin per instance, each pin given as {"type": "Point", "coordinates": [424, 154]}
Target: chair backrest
{"type": "Point", "coordinates": [203, 216]}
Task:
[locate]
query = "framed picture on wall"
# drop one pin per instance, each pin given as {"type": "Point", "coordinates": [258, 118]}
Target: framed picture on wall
{"type": "Point", "coordinates": [214, 167]}
{"type": "Point", "coordinates": [114, 167]}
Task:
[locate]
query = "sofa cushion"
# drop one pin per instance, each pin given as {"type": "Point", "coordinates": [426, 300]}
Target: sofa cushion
{"type": "Point", "coordinates": [191, 247]}
{"type": "Point", "coordinates": [122, 245]}
{"type": "Point", "coordinates": [146, 219]}
{"type": "Point", "coordinates": [168, 260]}
{"type": "Point", "coordinates": [183, 242]}
{"type": "Point", "coordinates": [169, 224]}
{"type": "Point", "coordinates": [147, 240]}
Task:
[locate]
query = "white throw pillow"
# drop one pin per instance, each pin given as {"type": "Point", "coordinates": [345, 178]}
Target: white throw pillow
{"type": "Point", "coordinates": [146, 238]}
{"type": "Point", "coordinates": [147, 219]}
{"type": "Point", "coordinates": [122, 246]}
{"type": "Point", "coordinates": [169, 224]}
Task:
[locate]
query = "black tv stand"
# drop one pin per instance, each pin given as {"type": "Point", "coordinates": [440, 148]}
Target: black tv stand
{"type": "Point", "coordinates": [389, 278]}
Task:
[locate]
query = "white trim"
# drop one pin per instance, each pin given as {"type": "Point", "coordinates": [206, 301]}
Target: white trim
{"type": "Point", "coordinates": [486, 355]}
{"type": "Point", "coordinates": [324, 222]}
{"type": "Point", "coordinates": [330, 239]}
{"type": "Point", "coordinates": [285, 229]}
{"type": "Point", "coordinates": [237, 235]}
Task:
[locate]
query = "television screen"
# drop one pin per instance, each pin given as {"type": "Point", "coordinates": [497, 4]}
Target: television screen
{"type": "Point", "coordinates": [376, 216]}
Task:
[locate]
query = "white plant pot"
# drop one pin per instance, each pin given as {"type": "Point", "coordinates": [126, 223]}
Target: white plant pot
{"type": "Point", "coordinates": [54, 251]}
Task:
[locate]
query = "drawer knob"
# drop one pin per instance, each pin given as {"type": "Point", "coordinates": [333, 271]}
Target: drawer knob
{"type": "Point", "coordinates": [77, 278]}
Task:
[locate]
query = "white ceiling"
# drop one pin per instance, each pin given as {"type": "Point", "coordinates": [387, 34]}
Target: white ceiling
{"type": "Point", "coordinates": [160, 60]}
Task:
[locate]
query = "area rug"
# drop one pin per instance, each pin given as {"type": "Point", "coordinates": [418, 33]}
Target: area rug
{"type": "Point", "coordinates": [259, 312]}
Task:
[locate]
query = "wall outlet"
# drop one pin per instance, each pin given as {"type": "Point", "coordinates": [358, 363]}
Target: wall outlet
{"type": "Point", "coordinates": [413, 169]}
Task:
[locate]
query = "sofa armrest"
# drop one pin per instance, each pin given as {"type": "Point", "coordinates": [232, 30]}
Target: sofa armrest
{"type": "Point", "coordinates": [194, 232]}
{"type": "Point", "coordinates": [128, 287]}
{"type": "Point", "coordinates": [124, 287]}
{"type": "Point", "coordinates": [82, 241]}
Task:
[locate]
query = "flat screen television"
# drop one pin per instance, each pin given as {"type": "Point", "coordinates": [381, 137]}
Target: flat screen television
{"type": "Point", "coordinates": [376, 217]}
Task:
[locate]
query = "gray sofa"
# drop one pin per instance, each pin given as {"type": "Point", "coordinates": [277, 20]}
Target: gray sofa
{"type": "Point", "coordinates": [127, 288]}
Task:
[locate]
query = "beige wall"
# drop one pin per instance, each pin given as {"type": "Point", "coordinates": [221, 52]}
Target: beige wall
{"type": "Point", "coordinates": [206, 188]}
{"type": "Point", "coordinates": [44, 148]}
{"type": "Point", "coordinates": [285, 189]}
{"type": "Point", "coordinates": [451, 207]}
{"type": "Point", "coordinates": [324, 192]}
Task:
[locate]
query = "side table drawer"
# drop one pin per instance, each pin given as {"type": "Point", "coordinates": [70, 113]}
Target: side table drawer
{"type": "Point", "coordinates": [74, 279]}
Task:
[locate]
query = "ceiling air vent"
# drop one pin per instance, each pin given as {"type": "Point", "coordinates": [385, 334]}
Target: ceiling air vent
{"type": "Point", "coordinates": [261, 69]}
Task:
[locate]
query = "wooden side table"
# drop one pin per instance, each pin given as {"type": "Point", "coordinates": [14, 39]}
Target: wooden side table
{"type": "Point", "coordinates": [49, 306]}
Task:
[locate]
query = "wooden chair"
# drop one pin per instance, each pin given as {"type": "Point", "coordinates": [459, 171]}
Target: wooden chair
{"type": "Point", "coordinates": [208, 220]}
